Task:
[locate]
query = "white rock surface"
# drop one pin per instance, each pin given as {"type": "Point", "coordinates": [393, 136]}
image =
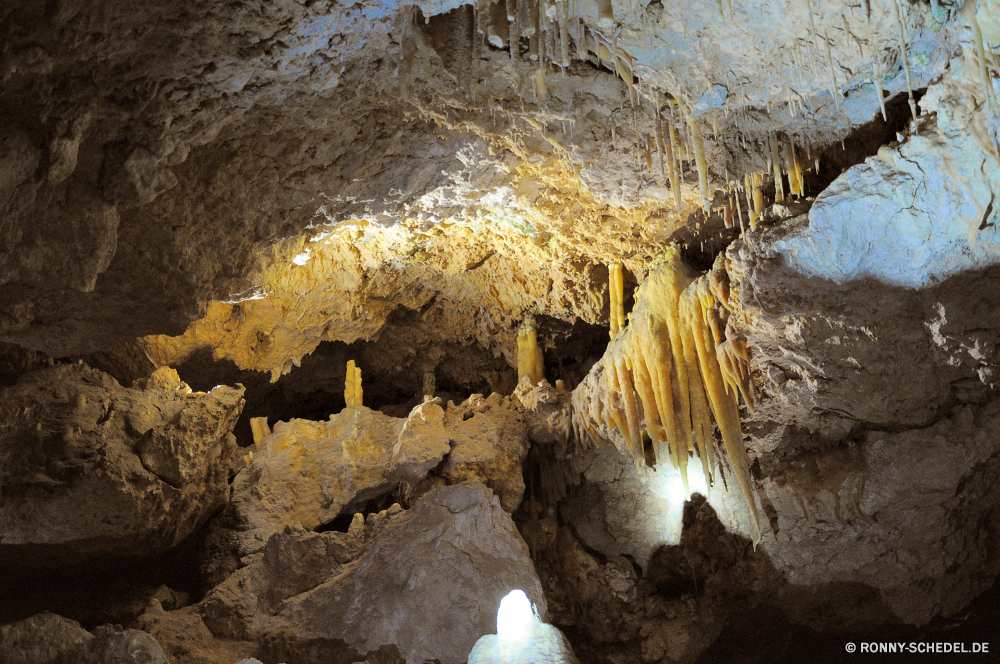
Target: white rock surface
{"type": "Point", "coordinates": [912, 216]}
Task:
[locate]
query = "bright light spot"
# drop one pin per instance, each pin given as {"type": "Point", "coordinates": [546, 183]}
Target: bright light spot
{"type": "Point", "coordinates": [665, 511]}
{"type": "Point", "coordinates": [302, 258]}
{"type": "Point", "coordinates": [515, 617]}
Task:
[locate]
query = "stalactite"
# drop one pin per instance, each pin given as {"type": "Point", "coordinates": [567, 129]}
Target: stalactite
{"type": "Point", "coordinates": [539, 13]}
{"type": "Point", "coordinates": [793, 181]}
{"type": "Point", "coordinates": [353, 392]}
{"type": "Point", "coordinates": [984, 74]}
{"type": "Point", "coordinates": [564, 31]}
{"type": "Point", "coordinates": [497, 26]}
{"type": "Point", "coordinates": [700, 162]}
{"type": "Point", "coordinates": [514, 31]}
{"type": "Point", "coordinates": [616, 310]}
{"type": "Point", "coordinates": [906, 61]}
{"type": "Point", "coordinates": [658, 132]}
{"type": "Point", "coordinates": [739, 208]}
{"type": "Point", "coordinates": [779, 186]}
{"type": "Point", "coordinates": [605, 14]}
{"type": "Point", "coordinates": [672, 151]}
{"type": "Point", "coordinates": [530, 361]}
{"type": "Point", "coordinates": [662, 377]}
{"type": "Point", "coordinates": [878, 89]}
{"type": "Point", "coordinates": [835, 90]}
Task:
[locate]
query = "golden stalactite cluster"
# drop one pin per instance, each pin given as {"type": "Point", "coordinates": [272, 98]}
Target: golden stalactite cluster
{"type": "Point", "coordinates": [663, 378]}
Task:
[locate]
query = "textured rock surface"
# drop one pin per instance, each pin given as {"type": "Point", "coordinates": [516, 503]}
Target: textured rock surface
{"type": "Point", "coordinates": [489, 442]}
{"type": "Point", "coordinates": [309, 473]}
{"type": "Point", "coordinates": [907, 513]}
{"type": "Point", "coordinates": [74, 477]}
{"type": "Point", "coordinates": [912, 216]}
{"type": "Point", "coordinates": [190, 139]}
{"type": "Point", "coordinates": [50, 639]}
{"type": "Point", "coordinates": [430, 581]}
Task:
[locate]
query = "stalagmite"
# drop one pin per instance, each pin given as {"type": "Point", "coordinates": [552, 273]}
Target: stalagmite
{"type": "Point", "coordinates": [353, 391]}
{"type": "Point", "coordinates": [259, 429]}
{"type": "Point", "coordinates": [530, 361]}
{"type": "Point", "coordinates": [430, 385]}
{"type": "Point", "coordinates": [699, 160]}
{"type": "Point", "coordinates": [616, 311]}
{"type": "Point", "coordinates": [662, 377]}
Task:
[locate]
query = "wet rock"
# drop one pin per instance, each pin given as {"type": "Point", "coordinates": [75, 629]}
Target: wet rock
{"type": "Point", "coordinates": [90, 468]}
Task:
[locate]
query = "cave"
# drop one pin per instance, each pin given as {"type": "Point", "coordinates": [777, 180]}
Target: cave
{"type": "Point", "coordinates": [505, 331]}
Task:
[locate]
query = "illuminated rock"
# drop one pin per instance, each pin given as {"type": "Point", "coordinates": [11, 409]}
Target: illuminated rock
{"type": "Point", "coordinates": [521, 637]}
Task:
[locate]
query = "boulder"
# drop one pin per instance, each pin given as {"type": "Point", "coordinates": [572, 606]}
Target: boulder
{"type": "Point", "coordinates": [90, 469]}
{"type": "Point", "coordinates": [309, 473]}
{"type": "Point", "coordinates": [489, 442]}
{"type": "Point", "coordinates": [429, 581]}
{"type": "Point", "coordinates": [906, 513]}
{"type": "Point", "coordinates": [46, 638]}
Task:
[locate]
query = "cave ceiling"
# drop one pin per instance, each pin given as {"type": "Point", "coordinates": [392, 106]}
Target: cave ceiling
{"type": "Point", "coordinates": [339, 160]}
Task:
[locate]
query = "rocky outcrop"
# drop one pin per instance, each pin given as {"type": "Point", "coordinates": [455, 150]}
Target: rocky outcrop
{"type": "Point", "coordinates": [429, 580]}
{"type": "Point", "coordinates": [906, 513]}
{"type": "Point", "coordinates": [50, 639]}
{"type": "Point", "coordinates": [489, 443]}
{"type": "Point", "coordinates": [309, 473]}
{"type": "Point", "coordinates": [424, 583]}
{"type": "Point", "coordinates": [89, 468]}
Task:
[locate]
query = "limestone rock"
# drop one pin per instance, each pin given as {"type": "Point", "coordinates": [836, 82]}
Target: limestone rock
{"type": "Point", "coordinates": [307, 472]}
{"type": "Point", "coordinates": [489, 444]}
{"type": "Point", "coordinates": [911, 216]}
{"type": "Point", "coordinates": [905, 513]}
{"type": "Point", "coordinates": [185, 638]}
{"type": "Point", "coordinates": [73, 484]}
{"type": "Point", "coordinates": [46, 638]}
{"type": "Point", "coordinates": [429, 581]}
{"type": "Point", "coordinates": [548, 413]}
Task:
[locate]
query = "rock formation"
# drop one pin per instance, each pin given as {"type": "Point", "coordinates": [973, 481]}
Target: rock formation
{"type": "Point", "coordinates": [681, 319]}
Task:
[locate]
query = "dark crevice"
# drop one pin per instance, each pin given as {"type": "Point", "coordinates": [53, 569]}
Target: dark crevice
{"type": "Point", "coordinates": [862, 143]}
